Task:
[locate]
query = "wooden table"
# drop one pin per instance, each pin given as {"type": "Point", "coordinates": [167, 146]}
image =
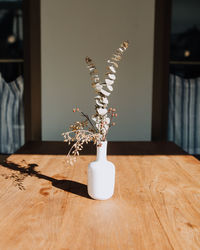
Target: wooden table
{"type": "Point", "coordinates": [44, 203]}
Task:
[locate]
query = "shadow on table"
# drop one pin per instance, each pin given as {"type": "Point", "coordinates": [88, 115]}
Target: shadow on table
{"type": "Point", "coordinates": [72, 187]}
{"type": "Point", "coordinates": [29, 170]}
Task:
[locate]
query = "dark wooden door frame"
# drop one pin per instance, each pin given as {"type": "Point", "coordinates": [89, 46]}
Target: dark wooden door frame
{"type": "Point", "coordinates": [32, 70]}
{"type": "Point", "coordinates": [161, 69]}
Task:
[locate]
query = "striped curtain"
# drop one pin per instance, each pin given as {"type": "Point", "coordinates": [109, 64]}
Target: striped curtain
{"type": "Point", "coordinates": [11, 115]}
{"type": "Point", "coordinates": [184, 113]}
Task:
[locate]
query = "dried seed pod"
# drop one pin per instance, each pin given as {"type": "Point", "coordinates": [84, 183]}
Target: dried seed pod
{"type": "Point", "coordinates": [112, 76]}
{"type": "Point", "coordinates": [120, 50]}
{"type": "Point", "coordinates": [99, 103]}
{"type": "Point", "coordinates": [102, 111]}
{"type": "Point", "coordinates": [112, 69]}
{"type": "Point", "coordinates": [105, 100]}
{"type": "Point", "coordinates": [109, 87]}
{"type": "Point", "coordinates": [107, 120]}
{"type": "Point", "coordinates": [125, 44]}
{"type": "Point", "coordinates": [109, 81]}
{"type": "Point", "coordinates": [98, 87]}
{"type": "Point", "coordinates": [104, 92]}
{"type": "Point", "coordinates": [93, 71]}
{"type": "Point", "coordinates": [95, 80]}
{"type": "Point", "coordinates": [116, 57]}
{"type": "Point", "coordinates": [106, 127]}
{"type": "Point", "coordinates": [94, 118]}
{"type": "Point", "coordinates": [113, 63]}
{"type": "Point", "coordinates": [98, 126]}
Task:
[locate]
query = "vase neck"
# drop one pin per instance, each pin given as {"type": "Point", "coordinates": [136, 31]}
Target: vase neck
{"type": "Point", "coordinates": [102, 151]}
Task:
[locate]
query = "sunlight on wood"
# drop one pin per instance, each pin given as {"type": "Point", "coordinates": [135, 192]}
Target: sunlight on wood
{"type": "Point", "coordinates": [156, 204]}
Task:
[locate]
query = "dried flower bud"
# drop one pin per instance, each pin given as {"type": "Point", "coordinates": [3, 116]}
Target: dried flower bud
{"type": "Point", "coordinates": [77, 109]}
{"type": "Point", "coordinates": [88, 60]}
{"type": "Point", "coordinates": [74, 110]}
{"type": "Point", "coordinates": [114, 110]}
{"type": "Point", "coordinates": [113, 123]}
{"type": "Point", "coordinates": [116, 115]}
{"type": "Point", "coordinates": [113, 115]}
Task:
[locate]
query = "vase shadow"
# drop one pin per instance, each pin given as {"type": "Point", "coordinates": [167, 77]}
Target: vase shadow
{"type": "Point", "coordinates": [74, 187]}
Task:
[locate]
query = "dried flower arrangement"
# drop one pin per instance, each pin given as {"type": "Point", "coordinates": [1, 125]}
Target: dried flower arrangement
{"type": "Point", "coordinates": [96, 128]}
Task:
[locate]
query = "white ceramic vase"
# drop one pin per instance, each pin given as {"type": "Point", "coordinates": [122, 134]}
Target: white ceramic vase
{"type": "Point", "coordinates": [101, 175]}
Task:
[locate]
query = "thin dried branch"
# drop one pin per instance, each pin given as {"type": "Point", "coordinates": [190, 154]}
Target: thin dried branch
{"type": "Point", "coordinates": [80, 137]}
{"type": "Point", "coordinates": [87, 117]}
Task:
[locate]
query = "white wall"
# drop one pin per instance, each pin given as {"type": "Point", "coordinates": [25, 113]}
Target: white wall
{"type": "Point", "coordinates": [73, 29]}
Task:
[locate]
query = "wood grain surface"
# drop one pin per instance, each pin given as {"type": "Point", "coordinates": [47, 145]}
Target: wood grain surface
{"type": "Point", "coordinates": [44, 204]}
